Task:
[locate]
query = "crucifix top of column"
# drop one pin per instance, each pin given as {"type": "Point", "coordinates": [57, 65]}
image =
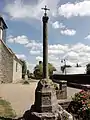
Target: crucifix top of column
{"type": "Point", "coordinates": [46, 9]}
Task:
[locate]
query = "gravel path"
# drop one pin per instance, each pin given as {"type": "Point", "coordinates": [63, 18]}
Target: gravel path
{"type": "Point", "coordinates": [22, 96]}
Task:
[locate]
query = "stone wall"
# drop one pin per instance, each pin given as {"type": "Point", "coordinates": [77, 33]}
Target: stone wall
{"type": "Point", "coordinates": [17, 72]}
{"type": "Point", "coordinates": [72, 78]}
{"type": "Point", "coordinates": [0, 62]}
{"type": "Point", "coordinates": [6, 64]}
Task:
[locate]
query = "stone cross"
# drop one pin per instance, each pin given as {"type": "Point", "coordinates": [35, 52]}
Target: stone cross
{"type": "Point", "coordinates": [45, 44]}
{"type": "Point", "coordinates": [45, 10]}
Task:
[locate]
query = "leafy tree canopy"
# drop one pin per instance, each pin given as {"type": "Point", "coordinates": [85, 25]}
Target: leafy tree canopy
{"type": "Point", "coordinates": [24, 67]}
{"type": "Point", "coordinates": [38, 70]}
{"type": "Point", "coordinates": [88, 68]}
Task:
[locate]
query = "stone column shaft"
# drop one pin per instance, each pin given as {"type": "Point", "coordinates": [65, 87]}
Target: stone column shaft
{"type": "Point", "coordinates": [45, 47]}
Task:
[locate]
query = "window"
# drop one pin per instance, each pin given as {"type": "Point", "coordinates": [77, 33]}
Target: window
{"type": "Point", "coordinates": [16, 66]}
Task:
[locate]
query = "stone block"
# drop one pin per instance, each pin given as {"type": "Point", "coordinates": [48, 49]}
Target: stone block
{"type": "Point", "coordinates": [62, 94]}
{"type": "Point", "coordinates": [45, 116]}
{"type": "Point", "coordinates": [46, 101]}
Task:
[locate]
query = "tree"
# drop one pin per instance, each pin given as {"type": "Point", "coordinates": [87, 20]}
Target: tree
{"type": "Point", "coordinates": [51, 68]}
{"type": "Point", "coordinates": [88, 68]}
{"type": "Point", "coordinates": [24, 68]}
{"type": "Point", "coordinates": [38, 70]}
{"type": "Point", "coordinates": [28, 73]}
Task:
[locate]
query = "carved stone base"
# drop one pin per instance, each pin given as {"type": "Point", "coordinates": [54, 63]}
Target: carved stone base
{"type": "Point", "coordinates": [44, 116]}
{"type": "Point", "coordinates": [46, 105]}
{"type": "Point", "coordinates": [45, 98]}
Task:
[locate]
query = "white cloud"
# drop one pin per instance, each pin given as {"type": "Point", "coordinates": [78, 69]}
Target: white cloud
{"type": "Point", "coordinates": [80, 47]}
{"type": "Point", "coordinates": [36, 48]}
{"type": "Point", "coordinates": [20, 10]}
{"type": "Point", "coordinates": [30, 66]}
{"type": "Point", "coordinates": [39, 58]}
{"type": "Point", "coordinates": [69, 32]}
{"type": "Point", "coordinates": [55, 25]}
{"type": "Point", "coordinates": [87, 37]}
{"type": "Point", "coordinates": [75, 9]}
{"type": "Point", "coordinates": [77, 53]}
{"type": "Point", "coordinates": [33, 52]}
{"type": "Point", "coordinates": [72, 56]}
{"type": "Point", "coordinates": [62, 25]}
{"type": "Point", "coordinates": [19, 39]}
{"type": "Point", "coordinates": [63, 29]}
{"type": "Point", "coordinates": [55, 52]}
{"type": "Point", "coordinates": [34, 45]}
{"type": "Point", "coordinates": [21, 56]}
{"type": "Point", "coordinates": [58, 47]}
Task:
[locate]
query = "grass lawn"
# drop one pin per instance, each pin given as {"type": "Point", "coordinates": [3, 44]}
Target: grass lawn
{"type": "Point", "coordinates": [6, 109]}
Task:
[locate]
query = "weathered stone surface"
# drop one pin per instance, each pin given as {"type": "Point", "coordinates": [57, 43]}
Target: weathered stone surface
{"type": "Point", "coordinates": [64, 103]}
{"type": "Point", "coordinates": [46, 106]}
{"type": "Point", "coordinates": [17, 75]}
{"type": "Point", "coordinates": [45, 97]}
{"type": "Point", "coordinates": [6, 63]}
{"type": "Point", "coordinates": [60, 114]}
{"type": "Point", "coordinates": [46, 116]}
{"type": "Point", "coordinates": [63, 88]}
{"type": "Point", "coordinates": [61, 93]}
{"type": "Point", "coordinates": [45, 46]}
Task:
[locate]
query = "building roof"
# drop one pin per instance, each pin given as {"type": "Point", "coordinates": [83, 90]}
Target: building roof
{"type": "Point", "coordinates": [10, 51]}
{"type": "Point", "coordinates": [5, 26]}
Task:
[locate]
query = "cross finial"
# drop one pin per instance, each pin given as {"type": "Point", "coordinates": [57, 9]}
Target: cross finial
{"type": "Point", "coordinates": [45, 10]}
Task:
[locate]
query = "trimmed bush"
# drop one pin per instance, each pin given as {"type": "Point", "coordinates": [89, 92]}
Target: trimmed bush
{"type": "Point", "coordinates": [25, 82]}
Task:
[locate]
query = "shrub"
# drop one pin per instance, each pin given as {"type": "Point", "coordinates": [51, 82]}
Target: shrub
{"type": "Point", "coordinates": [6, 110]}
{"type": "Point", "coordinates": [80, 104]}
{"type": "Point", "coordinates": [25, 82]}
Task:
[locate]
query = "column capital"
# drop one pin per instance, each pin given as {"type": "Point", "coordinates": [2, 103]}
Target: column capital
{"type": "Point", "coordinates": [45, 19]}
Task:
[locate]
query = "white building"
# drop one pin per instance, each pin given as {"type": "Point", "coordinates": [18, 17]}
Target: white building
{"type": "Point", "coordinates": [73, 70]}
{"type": "Point", "coordinates": [76, 70]}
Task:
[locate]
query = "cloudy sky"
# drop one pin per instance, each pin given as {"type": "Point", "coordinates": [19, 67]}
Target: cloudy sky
{"type": "Point", "coordinates": [68, 30]}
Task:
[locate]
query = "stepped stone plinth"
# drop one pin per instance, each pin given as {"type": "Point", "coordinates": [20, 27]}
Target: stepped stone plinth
{"type": "Point", "coordinates": [45, 97]}
{"type": "Point", "coordinates": [46, 105]}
